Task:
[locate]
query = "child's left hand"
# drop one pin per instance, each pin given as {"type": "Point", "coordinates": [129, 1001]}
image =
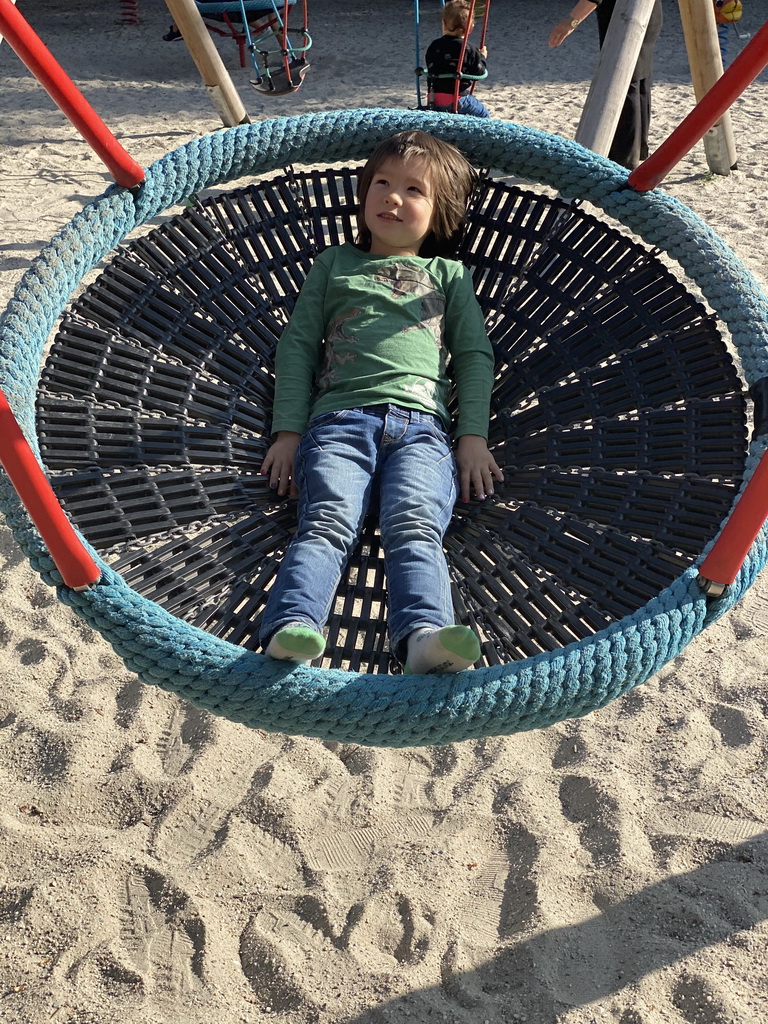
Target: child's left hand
{"type": "Point", "coordinates": [477, 467]}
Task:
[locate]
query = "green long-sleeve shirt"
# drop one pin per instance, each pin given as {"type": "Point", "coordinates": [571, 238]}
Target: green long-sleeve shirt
{"type": "Point", "coordinates": [368, 330]}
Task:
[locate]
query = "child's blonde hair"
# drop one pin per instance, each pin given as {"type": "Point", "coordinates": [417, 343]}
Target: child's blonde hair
{"type": "Point", "coordinates": [456, 15]}
{"type": "Point", "coordinates": [451, 180]}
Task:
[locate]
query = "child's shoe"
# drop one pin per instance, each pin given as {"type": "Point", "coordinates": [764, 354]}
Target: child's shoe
{"type": "Point", "coordinates": [172, 34]}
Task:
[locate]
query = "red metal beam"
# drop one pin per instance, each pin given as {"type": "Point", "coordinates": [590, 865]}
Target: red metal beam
{"type": "Point", "coordinates": [49, 73]}
{"type": "Point", "coordinates": [726, 558]}
{"type": "Point", "coordinates": [707, 112]}
{"type": "Point", "coordinates": [77, 568]}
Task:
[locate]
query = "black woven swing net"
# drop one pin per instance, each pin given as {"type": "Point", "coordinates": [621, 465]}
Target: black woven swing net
{"type": "Point", "coordinates": [618, 415]}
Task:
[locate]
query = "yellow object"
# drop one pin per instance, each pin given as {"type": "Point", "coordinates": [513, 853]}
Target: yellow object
{"type": "Point", "coordinates": [727, 11]}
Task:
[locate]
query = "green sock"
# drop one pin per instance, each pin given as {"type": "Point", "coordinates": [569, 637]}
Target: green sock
{"type": "Point", "coordinates": [297, 643]}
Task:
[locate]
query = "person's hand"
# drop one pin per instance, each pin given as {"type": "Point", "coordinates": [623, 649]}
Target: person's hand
{"type": "Point", "coordinates": [560, 32]}
{"type": "Point", "coordinates": [279, 461]}
{"type": "Point", "coordinates": [483, 50]}
{"type": "Point", "coordinates": [477, 467]}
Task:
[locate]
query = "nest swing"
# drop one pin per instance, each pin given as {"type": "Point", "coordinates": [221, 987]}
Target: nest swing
{"type": "Point", "coordinates": [618, 414]}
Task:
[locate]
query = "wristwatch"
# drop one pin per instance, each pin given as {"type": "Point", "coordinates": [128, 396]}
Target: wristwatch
{"type": "Point", "coordinates": [575, 22]}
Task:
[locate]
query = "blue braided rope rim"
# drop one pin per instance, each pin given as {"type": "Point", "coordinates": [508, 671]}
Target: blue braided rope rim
{"type": "Point", "coordinates": [379, 710]}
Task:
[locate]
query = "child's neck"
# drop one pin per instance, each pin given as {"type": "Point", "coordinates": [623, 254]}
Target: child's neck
{"type": "Point", "coordinates": [453, 32]}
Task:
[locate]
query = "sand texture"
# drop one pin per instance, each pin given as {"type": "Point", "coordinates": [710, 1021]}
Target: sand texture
{"type": "Point", "coordinates": [162, 866]}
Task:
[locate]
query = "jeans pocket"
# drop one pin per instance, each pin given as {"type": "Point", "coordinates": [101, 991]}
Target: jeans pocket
{"type": "Point", "coordinates": [325, 418]}
{"type": "Point", "coordinates": [435, 426]}
{"type": "Point", "coordinates": [313, 434]}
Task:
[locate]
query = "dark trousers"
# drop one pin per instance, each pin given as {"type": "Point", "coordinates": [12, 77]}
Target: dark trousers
{"type": "Point", "coordinates": [630, 142]}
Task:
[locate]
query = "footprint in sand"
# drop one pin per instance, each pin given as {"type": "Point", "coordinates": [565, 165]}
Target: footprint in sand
{"type": "Point", "coordinates": [13, 900]}
{"type": "Point", "coordinates": [520, 905]}
{"type": "Point", "coordinates": [694, 998]}
{"type": "Point", "coordinates": [129, 795]}
{"type": "Point", "coordinates": [188, 732]}
{"type": "Point", "coordinates": [594, 811]}
{"type": "Point", "coordinates": [102, 972]}
{"type": "Point", "coordinates": [733, 726]}
{"type": "Point", "coordinates": [128, 701]}
{"type": "Point", "coordinates": [751, 616]}
{"type": "Point", "coordinates": [501, 895]}
{"type": "Point", "coordinates": [392, 934]}
{"type": "Point", "coordinates": [162, 936]}
{"type": "Point", "coordinates": [312, 910]}
{"type": "Point", "coordinates": [269, 973]}
{"type": "Point", "coordinates": [224, 803]}
{"type": "Point", "coordinates": [31, 652]}
{"type": "Point", "coordinates": [36, 755]}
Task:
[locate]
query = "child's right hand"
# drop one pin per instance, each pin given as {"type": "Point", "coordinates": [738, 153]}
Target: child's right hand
{"type": "Point", "coordinates": [483, 51]}
{"type": "Point", "coordinates": [279, 462]}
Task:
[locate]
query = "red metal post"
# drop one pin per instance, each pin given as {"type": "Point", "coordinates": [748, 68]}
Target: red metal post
{"type": "Point", "coordinates": [462, 52]}
{"type": "Point", "coordinates": [707, 112]}
{"type": "Point", "coordinates": [727, 556]}
{"type": "Point", "coordinates": [483, 33]}
{"type": "Point", "coordinates": [77, 568]}
{"type": "Point", "coordinates": [33, 52]}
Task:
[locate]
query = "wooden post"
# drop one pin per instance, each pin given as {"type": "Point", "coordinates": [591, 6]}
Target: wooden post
{"type": "Point", "coordinates": [215, 76]}
{"type": "Point", "coordinates": [706, 63]}
{"type": "Point", "coordinates": [618, 57]}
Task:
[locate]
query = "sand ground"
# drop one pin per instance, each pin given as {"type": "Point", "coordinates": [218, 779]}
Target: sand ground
{"type": "Point", "coordinates": [160, 866]}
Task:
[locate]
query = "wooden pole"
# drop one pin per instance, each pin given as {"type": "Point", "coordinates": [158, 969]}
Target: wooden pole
{"type": "Point", "coordinates": [706, 63]}
{"type": "Point", "coordinates": [618, 57]}
{"type": "Point", "coordinates": [215, 76]}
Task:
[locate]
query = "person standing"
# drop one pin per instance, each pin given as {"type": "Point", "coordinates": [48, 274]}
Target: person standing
{"type": "Point", "coordinates": [630, 142]}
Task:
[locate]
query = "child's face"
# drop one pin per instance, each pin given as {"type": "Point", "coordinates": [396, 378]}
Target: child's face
{"type": "Point", "coordinates": [398, 207]}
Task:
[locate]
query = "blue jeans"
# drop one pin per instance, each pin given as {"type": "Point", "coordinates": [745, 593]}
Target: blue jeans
{"type": "Point", "coordinates": [469, 104]}
{"type": "Point", "coordinates": [344, 459]}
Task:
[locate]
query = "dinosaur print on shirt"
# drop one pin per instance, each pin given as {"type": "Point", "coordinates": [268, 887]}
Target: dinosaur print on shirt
{"type": "Point", "coordinates": [332, 359]}
{"type": "Point", "coordinates": [406, 281]}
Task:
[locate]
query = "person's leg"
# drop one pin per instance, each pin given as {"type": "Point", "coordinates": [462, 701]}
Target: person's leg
{"type": "Point", "coordinates": [334, 469]}
{"type": "Point", "coordinates": [470, 104]}
{"type": "Point", "coordinates": [417, 491]}
{"type": "Point", "coordinates": [626, 145]}
{"type": "Point", "coordinates": [644, 99]}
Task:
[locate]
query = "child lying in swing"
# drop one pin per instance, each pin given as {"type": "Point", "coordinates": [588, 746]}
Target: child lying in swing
{"type": "Point", "coordinates": [361, 409]}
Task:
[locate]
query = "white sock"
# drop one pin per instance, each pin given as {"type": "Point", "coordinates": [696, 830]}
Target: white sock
{"type": "Point", "coordinates": [296, 642]}
{"type": "Point", "coordinates": [450, 649]}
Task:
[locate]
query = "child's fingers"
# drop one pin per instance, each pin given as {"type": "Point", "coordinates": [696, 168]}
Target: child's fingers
{"type": "Point", "coordinates": [465, 483]}
{"type": "Point", "coordinates": [284, 476]}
